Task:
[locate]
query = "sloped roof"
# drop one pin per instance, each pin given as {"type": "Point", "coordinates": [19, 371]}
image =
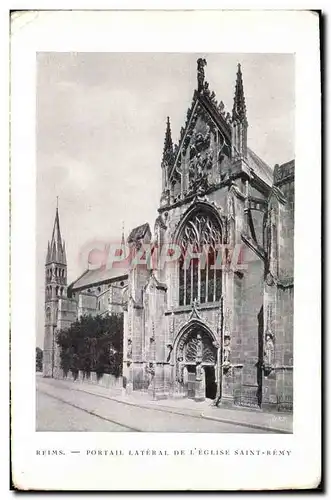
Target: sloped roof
{"type": "Point", "coordinates": [260, 168]}
{"type": "Point", "coordinates": [92, 277]}
{"type": "Point", "coordinates": [56, 249]}
{"type": "Point", "coordinates": [138, 232]}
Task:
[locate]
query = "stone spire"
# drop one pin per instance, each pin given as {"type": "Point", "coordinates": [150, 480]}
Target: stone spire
{"type": "Point", "coordinates": [239, 106]}
{"type": "Point", "coordinates": [123, 239]}
{"type": "Point", "coordinates": [168, 150]}
{"type": "Point", "coordinates": [56, 249]}
{"type": "Point", "coordinates": [239, 120]}
{"type": "Point", "coordinates": [123, 247]}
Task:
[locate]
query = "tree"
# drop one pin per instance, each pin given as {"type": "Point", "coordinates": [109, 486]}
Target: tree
{"type": "Point", "coordinates": [93, 344]}
{"type": "Point", "coordinates": [39, 359]}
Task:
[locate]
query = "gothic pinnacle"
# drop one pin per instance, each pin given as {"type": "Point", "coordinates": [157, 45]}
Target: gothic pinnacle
{"type": "Point", "coordinates": [239, 105]}
{"type": "Point", "coordinates": [201, 63]}
{"type": "Point", "coordinates": [168, 150]}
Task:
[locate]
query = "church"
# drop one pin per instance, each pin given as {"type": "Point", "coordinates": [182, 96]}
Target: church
{"type": "Point", "coordinates": [215, 319]}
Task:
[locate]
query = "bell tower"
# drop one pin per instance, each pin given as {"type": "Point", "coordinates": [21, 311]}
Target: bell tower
{"type": "Point", "coordinates": [55, 289]}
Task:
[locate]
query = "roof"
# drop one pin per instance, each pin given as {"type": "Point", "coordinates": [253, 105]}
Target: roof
{"type": "Point", "coordinates": [92, 277]}
{"type": "Point", "coordinates": [260, 167]}
{"type": "Point", "coordinates": [138, 232]}
{"type": "Point", "coordinates": [284, 173]}
{"type": "Point", "coordinates": [56, 249]}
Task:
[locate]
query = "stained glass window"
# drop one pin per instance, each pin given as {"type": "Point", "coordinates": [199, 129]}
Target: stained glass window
{"type": "Point", "coordinates": [199, 280]}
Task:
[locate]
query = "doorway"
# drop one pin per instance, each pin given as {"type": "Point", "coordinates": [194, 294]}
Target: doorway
{"type": "Point", "coordinates": [211, 387]}
{"type": "Point", "coordinates": [191, 381]}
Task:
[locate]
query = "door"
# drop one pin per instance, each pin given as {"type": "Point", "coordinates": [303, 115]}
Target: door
{"type": "Point", "coordinates": [191, 381]}
{"type": "Point", "coordinates": [211, 388]}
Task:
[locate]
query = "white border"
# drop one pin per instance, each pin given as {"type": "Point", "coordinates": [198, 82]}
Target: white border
{"type": "Point", "coordinates": [203, 31]}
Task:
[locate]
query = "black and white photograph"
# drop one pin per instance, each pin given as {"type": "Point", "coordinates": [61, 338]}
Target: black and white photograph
{"type": "Point", "coordinates": [165, 255]}
{"type": "Point", "coordinates": [165, 287]}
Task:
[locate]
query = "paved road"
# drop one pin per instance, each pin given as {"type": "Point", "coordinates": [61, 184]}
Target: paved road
{"type": "Point", "coordinates": [60, 408]}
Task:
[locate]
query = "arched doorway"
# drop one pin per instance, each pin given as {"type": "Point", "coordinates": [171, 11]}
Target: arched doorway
{"type": "Point", "coordinates": [196, 361]}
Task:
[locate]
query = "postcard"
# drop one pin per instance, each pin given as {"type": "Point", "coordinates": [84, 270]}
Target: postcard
{"type": "Point", "coordinates": [165, 186]}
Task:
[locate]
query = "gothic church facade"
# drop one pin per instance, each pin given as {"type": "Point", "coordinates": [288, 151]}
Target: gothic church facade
{"type": "Point", "coordinates": [203, 330]}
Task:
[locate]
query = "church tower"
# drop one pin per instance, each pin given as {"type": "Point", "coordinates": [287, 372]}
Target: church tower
{"type": "Point", "coordinates": [55, 289]}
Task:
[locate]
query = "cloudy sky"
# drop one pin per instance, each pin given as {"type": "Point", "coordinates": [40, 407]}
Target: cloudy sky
{"type": "Point", "coordinates": [100, 131]}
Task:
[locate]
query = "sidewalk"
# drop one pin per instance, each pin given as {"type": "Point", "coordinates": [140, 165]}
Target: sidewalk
{"type": "Point", "coordinates": [276, 422]}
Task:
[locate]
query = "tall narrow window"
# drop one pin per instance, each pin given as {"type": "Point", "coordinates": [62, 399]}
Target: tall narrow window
{"type": "Point", "coordinates": [181, 282]}
{"type": "Point", "coordinates": [198, 278]}
{"type": "Point", "coordinates": [211, 275]}
{"type": "Point", "coordinates": [188, 285]}
{"type": "Point", "coordinates": [195, 276]}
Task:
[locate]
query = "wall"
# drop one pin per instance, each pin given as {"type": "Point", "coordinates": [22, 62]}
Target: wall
{"type": "Point", "coordinates": [108, 381]}
{"type": "Point", "coordinates": [87, 304]}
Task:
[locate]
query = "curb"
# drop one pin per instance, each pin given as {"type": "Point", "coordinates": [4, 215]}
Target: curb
{"type": "Point", "coordinates": [245, 424]}
{"type": "Point", "coordinates": [176, 411]}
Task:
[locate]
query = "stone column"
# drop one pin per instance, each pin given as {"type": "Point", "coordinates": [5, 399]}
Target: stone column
{"type": "Point", "coordinates": [227, 340]}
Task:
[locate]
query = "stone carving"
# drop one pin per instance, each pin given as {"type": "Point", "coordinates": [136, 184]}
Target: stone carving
{"type": "Point", "coordinates": [201, 63]}
{"type": "Point", "coordinates": [170, 349]}
{"type": "Point", "coordinates": [129, 349]}
{"type": "Point", "coordinates": [150, 369]}
{"type": "Point", "coordinates": [199, 348]}
{"type": "Point", "coordinates": [221, 108]}
{"type": "Point", "coordinates": [227, 340]}
{"type": "Point", "coordinates": [193, 347]}
{"type": "Point", "coordinates": [200, 142]}
{"type": "Point", "coordinates": [213, 98]}
{"type": "Point", "coordinates": [198, 183]}
{"type": "Point", "coordinates": [226, 351]}
{"type": "Point", "coordinates": [268, 354]}
{"type": "Point", "coordinates": [190, 137]}
{"type": "Point", "coordinates": [179, 369]}
{"type": "Point", "coordinates": [206, 90]}
{"type": "Point", "coordinates": [188, 114]}
{"type": "Point", "coordinates": [220, 317]}
{"type": "Point", "coordinates": [231, 207]}
{"type": "Point", "coordinates": [278, 173]}
{"type": "Point", "coordinates": [195, 312]}
{"type": "Point", "coordinates": [269, 350]}
{"type": "Point", "coordinates": [209, 159]}
{"type": "Point", "coordinates": [227, 318]}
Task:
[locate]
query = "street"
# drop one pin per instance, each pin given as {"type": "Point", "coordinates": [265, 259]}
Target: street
{"type": "Point", "coordinates": [64, 407]}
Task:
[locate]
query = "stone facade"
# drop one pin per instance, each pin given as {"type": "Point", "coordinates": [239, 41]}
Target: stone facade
{"type": "Point", "coordinates": [226, 334]}
{"type": "Point", "coordinates": [213, 318]}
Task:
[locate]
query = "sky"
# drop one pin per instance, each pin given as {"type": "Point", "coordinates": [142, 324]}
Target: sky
{"type": "Point", "coordinates": [100, 129]}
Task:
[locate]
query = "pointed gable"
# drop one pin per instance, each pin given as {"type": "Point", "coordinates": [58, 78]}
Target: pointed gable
{"type": "Point", "coordinates": [205, 118]}
{"type": "Point", "coordinates": [205, 149]}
